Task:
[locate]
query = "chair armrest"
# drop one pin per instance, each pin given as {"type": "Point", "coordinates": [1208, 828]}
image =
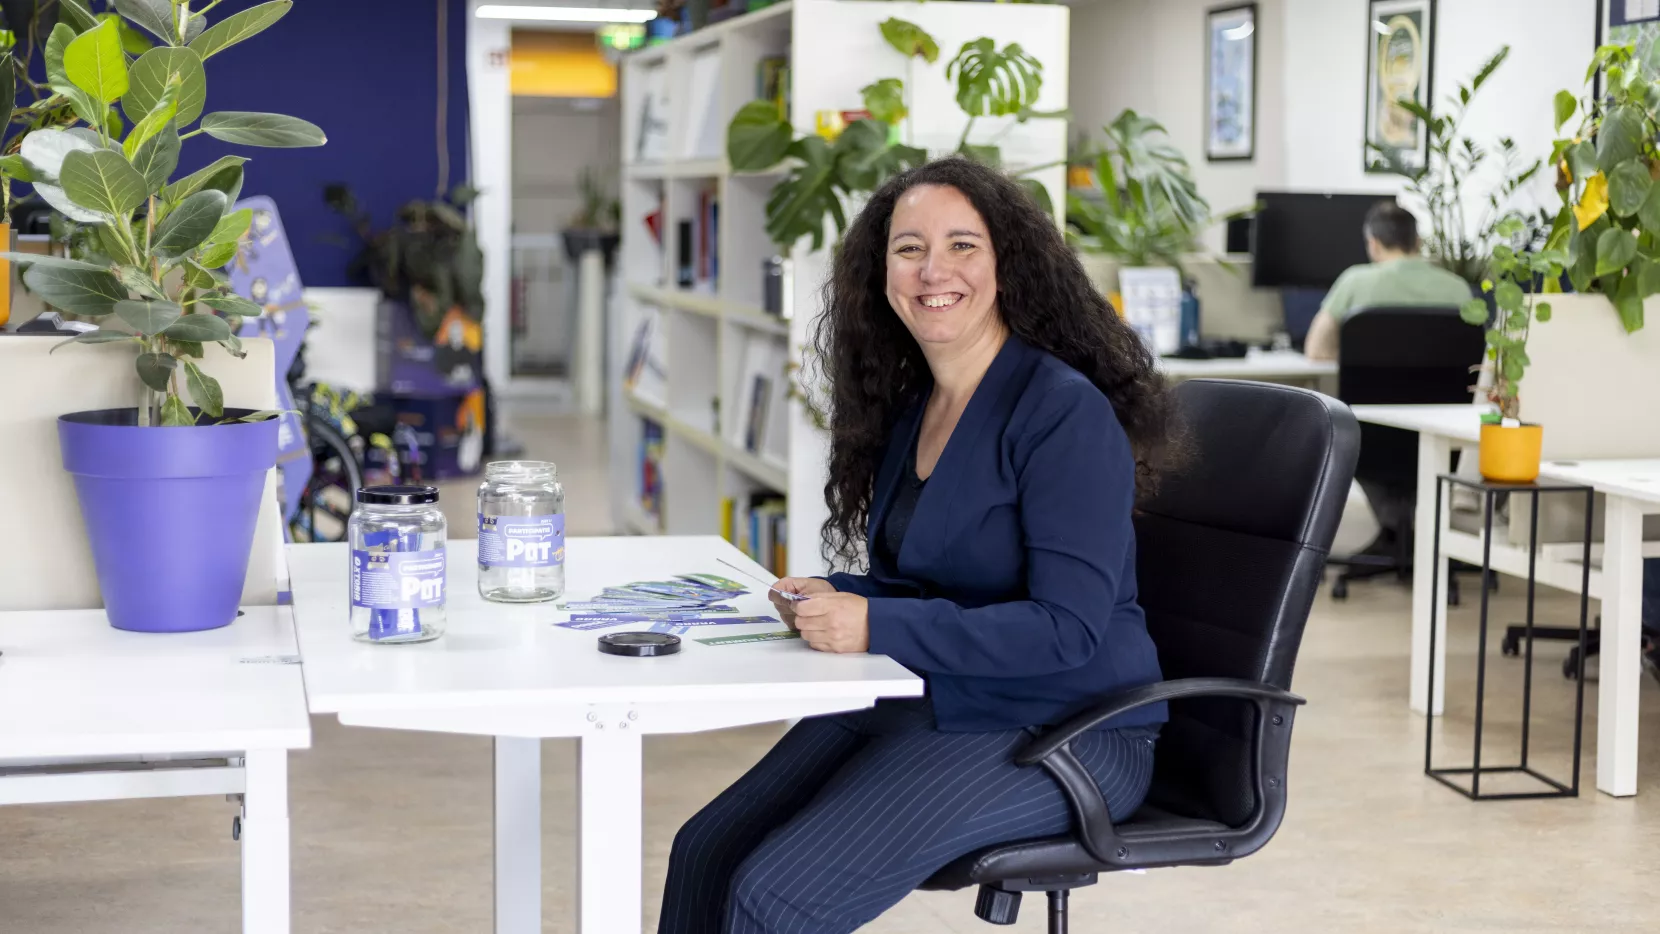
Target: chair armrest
{"type": "Point", "coordinates": [1053, 751]}
{"type": "Point", "coordinates": [1045, 745]}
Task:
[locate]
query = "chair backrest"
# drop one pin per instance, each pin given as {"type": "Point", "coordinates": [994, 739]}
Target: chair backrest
{"type": "Point", "coordinates": [1403, 356]}
{"type": "Point", "coordinates": [1229, 556]}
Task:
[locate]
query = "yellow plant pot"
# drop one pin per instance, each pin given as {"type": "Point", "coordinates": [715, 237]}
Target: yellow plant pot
{"type": "Point", "coordinates": [1079, 176]}
{"type": "Point", "coordinates": [1511, 455]}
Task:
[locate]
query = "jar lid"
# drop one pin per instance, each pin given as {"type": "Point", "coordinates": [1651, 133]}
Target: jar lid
{"type": "Point", "coordinates": [398, 495]}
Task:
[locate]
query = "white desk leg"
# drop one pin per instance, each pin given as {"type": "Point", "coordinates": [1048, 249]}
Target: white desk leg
{"type": "Point", "coordinates": [1620, 665]}
{"type": "Point", "coordinates": [609, 849]}
{"type": "Point", "coordinates": [265, 904]}
{"type": "Point", "coordinates": [1429, 605]}
{"type": "Point", "coordinates": [518, 835]}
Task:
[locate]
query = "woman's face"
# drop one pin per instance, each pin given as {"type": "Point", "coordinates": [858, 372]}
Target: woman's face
{"type": "Point", "coordinates": [942, 272]}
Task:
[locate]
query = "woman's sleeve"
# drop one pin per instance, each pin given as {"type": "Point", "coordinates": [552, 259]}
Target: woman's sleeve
{"type": "Point", "coordinates": [862, 584]}
{"type": "Point", "coordinates": [1076, 491]}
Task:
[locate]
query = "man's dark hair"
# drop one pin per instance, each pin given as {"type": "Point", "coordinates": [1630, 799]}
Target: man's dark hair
{"type": "Point", "coordinates": [1392, 226]}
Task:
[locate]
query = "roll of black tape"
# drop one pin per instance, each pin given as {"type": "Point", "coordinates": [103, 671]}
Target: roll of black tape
{"type": "Point", "coordinates": [639, 644]}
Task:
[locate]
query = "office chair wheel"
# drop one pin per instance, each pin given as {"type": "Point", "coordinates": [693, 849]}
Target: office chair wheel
{"type": "Point", "coordinates": [1570, 665]}
{"type": "Point", "coordinates": [1340, 590]}
{"type": "Point", "coordinates": [1511, 645]}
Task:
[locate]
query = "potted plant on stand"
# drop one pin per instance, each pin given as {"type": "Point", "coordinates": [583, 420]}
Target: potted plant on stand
{"type": "Point", "coordinates": [169, 489]}
{"type": "Point", "coordinates": [594, 227]}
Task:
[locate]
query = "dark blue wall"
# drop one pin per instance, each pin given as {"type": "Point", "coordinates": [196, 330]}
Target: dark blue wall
{"type": "Point", "coordinates": [366, 72]}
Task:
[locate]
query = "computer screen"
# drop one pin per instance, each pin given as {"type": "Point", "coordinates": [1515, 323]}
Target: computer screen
{"type": "Point", "coordinates": [1307, 239]}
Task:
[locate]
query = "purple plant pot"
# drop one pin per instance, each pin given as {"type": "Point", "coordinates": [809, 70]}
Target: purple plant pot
{"type": "Point", "coordinates": [170, 513]}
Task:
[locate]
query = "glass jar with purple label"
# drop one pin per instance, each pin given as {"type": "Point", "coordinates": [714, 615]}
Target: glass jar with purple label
{"type": "Point", "coordinates": [398, 581]}
{"type": "Point", "coordinates": [521, 532]}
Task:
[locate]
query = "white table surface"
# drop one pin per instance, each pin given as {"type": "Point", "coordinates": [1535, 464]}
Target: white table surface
{"type": "Point", "coordinates": [72, 685]}
{"type": "Point", "coordinates": [1261, 364]}
{"type": "Point", "coordinates": [1634, 479]}
{"type": "Point", "coordinates": [1456, 421]}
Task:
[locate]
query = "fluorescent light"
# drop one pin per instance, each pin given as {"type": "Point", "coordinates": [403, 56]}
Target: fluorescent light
{"type": "Point", "coordinates": [1242, 31]}
{"type": "Point", "coordinates": [565, 14]}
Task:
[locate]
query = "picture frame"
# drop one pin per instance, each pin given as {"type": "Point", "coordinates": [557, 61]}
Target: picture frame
{"type": "Point", "coordinates": [1231, 83]}
{"type": "Point", "coordinates": [1400, 63]}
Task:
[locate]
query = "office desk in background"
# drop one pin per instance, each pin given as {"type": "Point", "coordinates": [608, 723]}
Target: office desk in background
{"type": "Point", "coordinates": [91, 713]}
{"type": "Point", "coordinates": [507, 672]}
{"type": "Point", "coordinates": [1268, 366]}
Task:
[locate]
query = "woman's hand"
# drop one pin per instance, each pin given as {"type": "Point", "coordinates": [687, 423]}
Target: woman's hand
{"type": "Point", "coordinates": [806, 586]}
{"type": "Point", "coordinates": [835, 622]}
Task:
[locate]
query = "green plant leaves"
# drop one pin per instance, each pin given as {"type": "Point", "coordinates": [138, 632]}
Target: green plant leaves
{"type": "Point", "coordinates": [797, 205]}
{"type": "Point", "coordinates": [156, 16]}
{"type": "Point", "coordinates": [239, 26]}
{"type": "Point", "coordinates": [148, 318]}
{"type": "Point", "coordinates": [76, 15]}
{"type": "Point", "coordinates": [95, 63]}
{"type": "Point", "coordinates": [100, 336]}
{"type": "Point", "coordinates": [156, 369]}
{"type": "Point", "coordinates": [232, 226]}
{"type": "Point", "coordinates": [1474, 312]}
{"type": "Point", "coordinates": [104, 182]}
{"type": "Point", "coordinates": [1582, 160]}
{"type": "Point", "coordinates": [863, 159]}
{"type": "Point", "coordinates": [205, 390]}
{"type": "Point", "coordinates": [158, 157]}
{"type": "Point", "coordinates": [146, 129]}
{"type": "Point", "coordinates": [275, 131]}
{"type": "Point", "coordinates": [43, 259]}
{"type": "Point", "coordinates": [993, 82]}
{"type": "Point", "coordinates": [151, 75]}
{"type": "Point", "coordinates": [45, 149]}
{"type": "Point", "coordinates": [15, 168]}
{"type": "Point", "coordinates": [757, 138]}
{"type": "Point", "coordinates": [189, 225]}
{"type": "Point", "coordinates": [232, 305]}
{"type": "Point", "coordinates": [1039, 194]}
{"type": "Point", "coordinates": [90, 292]}
{"type": "Point", "coordinates": [1620, 137]}
{"type": "Point", "coordinates": [1566, 104]}
{"type": "Point", "coordinates": [988, 156]}
{"type": "Point", "coordinates": [136, 281]}
{"type": "Point", "coordinates": [218, 255]}
{"type": "Point", "coordinates": [225, 174]}
{"type": "Point", "coordinates": [174, 413]}
{"type": "Point", "coordinates": [200, 328]}
{"type": "Point", "coordinates": [885, 99]}
{"type": "Point", "coordinates": [1628, 187]}
{"type": "Point", "coordinates": [910, 39]}
{"type": "Point", "coordinates": [1542, 311]}
{"type": "Point", "coordinates": [1616, 247]}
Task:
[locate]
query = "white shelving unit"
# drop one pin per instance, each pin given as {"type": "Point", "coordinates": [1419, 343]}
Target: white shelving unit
{"type": "Point", "coordinates": [709, 340]}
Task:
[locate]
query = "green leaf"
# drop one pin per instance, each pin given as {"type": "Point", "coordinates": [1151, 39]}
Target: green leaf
{"type": "Point", "coordinates": [1474, 312]}
{"type": "Point", "coordinates": [1648, 215]}
{"type": "Point", "coordinates": [210, 177]}
{"type": "Point", "coordinates": [1616, 247]}
{"type": "Point", "coordinates": [146, 129]}
{"type": "Point", "coordinates": [198, 276]}
{"type": "Point", "coordinates": [219, 255]}
{"type": "Point", "coordinates": [155, 369]}
{"type": "Point", "coordinates": [258, 129]}
{"type": "Point", "coordinates": [1628, 187]}
{"type": "Point", "coordinates": [910, 39]}
{"type": "Point", "coordinates": [989, 156]}
{"type": "Point", "coordinates": [1582, 160]}
{"type": "Point", "coordinates": [1508, 295]}
{"type": "Point", "coordinates": [1621, 136]}
{"type": "Point", "coordinates": [95, 63]}
{"type": "Point", "coordinates": [864, 159]}
{"type": "Point", "coordinates": [100, 336]}
{"type": "Point", "coordinates": [757, 138]}
{"type": "Point", "coordinates": [148, 318]}
{"type": "Point", "coordinates": [233, 344]}
{"type": "Point", "coordinates": [189, 225]}
{"type": "Point", "coordinates": [76, 15]}
{"type": "Point", "coordinates": [885, 99]}
{"type": "Point", "coordinates": [151, 75]}
{"type": "Point", "coordinates": [175, 414]}
{"type": "Point", "coordinates": [994, 82]}
{"type": "Point", "coordinates": [135, 280]}
{"type": "Point", "coordinates": [43, 259]}
{"type": "Point", "coordinates": [1566, 104]}
{"type": "Point", "coordinates": [15, 168]}
{"type": "Point", "coordinates": [232, 305]}
{"type": "Point", "coordinates": [104, 181]}
{"type": "Point", "coordinates": [45, 149]}
{"type": "Point", "coordinates": [185, 348]}
{"type": "Point", "coordinates": [204, 389]}
{"type": "Point", "coordinates": [1039, 194]}
{"type": "Point", "coordinates": [1541, 311]}
{"type": "Point", "coordinates": [133, 42]}
{"type": "Point", "coordinates": [56, 43]}
{"type": "Point", "coordinates": [158, 157]}
{"type": "Point", "coordinates": [239, 26]}
{"type": "Point", "coordinates": [78, 291]}
{"type": "Point", "coordinates": [154, 15]}
{"type": "Point", "coordinates": [797, 206]}
{"type": "Point", "coordinates": [263, 415]}
{"type": "Point", "coordinates": [232, 226]}
{"type": "Point", "coordinates": [200, 327]}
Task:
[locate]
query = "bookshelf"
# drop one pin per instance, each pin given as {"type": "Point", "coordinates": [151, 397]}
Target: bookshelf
{"type": "Point", "coordinates": [699, 416]}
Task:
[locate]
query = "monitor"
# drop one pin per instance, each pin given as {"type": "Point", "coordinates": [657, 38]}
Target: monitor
{"type": "Point", "coordinates": [1307, 239]}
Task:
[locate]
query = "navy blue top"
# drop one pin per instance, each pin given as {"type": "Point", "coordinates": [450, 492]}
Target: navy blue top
{"type": "Point", "coordinates": [1014, 591]}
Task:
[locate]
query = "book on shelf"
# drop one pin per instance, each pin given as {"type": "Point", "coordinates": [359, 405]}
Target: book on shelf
{"type": "Point", "coordinates": [705, 134]}
{"type": "Point", "coordinates": [758, 525]}
{"type": "Point", "coordinates": [651, 143]}
{"type": "Point", "coordinates": [772, 83]}
{"type": "Point", "coordinates": [651, 469]}
{"type": "Point", "coordinates": [646, 375]}
{"type": "Point", "coordinates": [760, 426]}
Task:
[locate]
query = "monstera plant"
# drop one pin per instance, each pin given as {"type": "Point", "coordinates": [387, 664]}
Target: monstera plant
{"type": "Point", "coordinates": [169, 489]}
{"type": "Point", "coordinates": [989, 81]}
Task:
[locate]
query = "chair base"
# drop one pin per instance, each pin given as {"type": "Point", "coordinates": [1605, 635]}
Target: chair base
{"type": "Point", "coordinates": [997, 905]}
{"type": "Point", "coordinates": [1514, 634]}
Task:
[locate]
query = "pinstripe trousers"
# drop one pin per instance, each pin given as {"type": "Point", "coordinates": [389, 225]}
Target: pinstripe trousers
{"type": "Point", "coordinates": [849, 813]}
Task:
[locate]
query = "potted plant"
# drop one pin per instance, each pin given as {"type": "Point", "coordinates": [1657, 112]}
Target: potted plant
{"type": "Point", "coordinates": [1510, 448]}
{"type": "Point", "coordinates": [594, 227]}
{"type": "Point", "coordinates": [169, 490]}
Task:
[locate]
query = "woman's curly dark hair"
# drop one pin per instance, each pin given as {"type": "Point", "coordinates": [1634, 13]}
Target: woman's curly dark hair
{"type": "Point", "coordinates": [876, 370]}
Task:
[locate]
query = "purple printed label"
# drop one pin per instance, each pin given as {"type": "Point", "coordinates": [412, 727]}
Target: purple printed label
{"type": "Point", "coordinates": [398, 580]}
{"type": "Point", "coordinates": [521, 541]}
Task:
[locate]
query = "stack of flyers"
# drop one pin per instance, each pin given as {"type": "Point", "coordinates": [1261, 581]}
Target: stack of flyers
{"type": "Point", "coordinates": [687, 592]}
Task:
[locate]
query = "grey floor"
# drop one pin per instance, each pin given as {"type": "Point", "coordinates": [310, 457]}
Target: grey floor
{"type": "Point", "coordinates": [392, 830]}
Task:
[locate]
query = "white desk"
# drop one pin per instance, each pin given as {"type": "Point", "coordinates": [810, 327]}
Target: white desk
{"type": "Point", "coordinates": [1272, 366]}
{"type": "Point", "coordinates": [509, 673]}
{"type": "Point", "coordinates": [91, 713]}
{"type": "Point", "coordinates": [1631, 489]}
{"type": "Point", "coordinates": [1443, 429]}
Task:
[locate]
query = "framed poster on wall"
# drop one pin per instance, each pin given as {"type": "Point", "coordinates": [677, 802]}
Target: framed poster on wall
{"type": "Point", "coordinates": [1231, 83]}
{"type": "Point", "coordinates": [1400, 65]}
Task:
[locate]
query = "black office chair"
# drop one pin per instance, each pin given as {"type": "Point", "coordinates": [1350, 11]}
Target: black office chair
{"type": "Point", "coordinates": [1399, 356]}
{"type": "Point", "coordinates": [1229, 556]}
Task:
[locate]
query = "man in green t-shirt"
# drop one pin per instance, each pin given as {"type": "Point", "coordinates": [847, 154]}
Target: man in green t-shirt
{"type": "Point", "coordinates": [1397, 275]}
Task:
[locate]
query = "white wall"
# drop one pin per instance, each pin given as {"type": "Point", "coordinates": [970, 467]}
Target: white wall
{"type": "Point", "coordinates": [1148, 54]}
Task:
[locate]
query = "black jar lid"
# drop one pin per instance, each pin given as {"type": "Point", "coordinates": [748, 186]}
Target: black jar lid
{"type": "Point", "coordinates": [398, 495]}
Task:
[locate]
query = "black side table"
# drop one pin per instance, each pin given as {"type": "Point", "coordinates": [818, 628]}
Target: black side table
{"type": "Point", "coordinates": [1489, 494]}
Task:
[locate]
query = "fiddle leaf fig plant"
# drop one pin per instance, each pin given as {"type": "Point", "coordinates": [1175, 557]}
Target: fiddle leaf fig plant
{"type": "Point", "coordinates": [148, 249]}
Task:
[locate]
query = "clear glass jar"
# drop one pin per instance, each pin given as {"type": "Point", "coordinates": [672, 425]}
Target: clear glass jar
{"type": "Point", "coordinates": [398, 581]}
{"type": "Point", "coordinates": [521, 532]}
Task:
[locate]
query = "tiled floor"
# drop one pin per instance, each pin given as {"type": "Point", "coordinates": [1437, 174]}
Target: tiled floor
{"type": "Point", "coordinates": [392, 830]}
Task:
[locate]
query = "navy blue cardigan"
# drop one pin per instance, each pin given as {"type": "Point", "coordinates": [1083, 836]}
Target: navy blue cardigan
{"type": "Point", "coordinates": [1015, 590]}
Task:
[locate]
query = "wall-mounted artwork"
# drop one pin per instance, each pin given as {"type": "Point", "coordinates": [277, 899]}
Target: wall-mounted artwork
{"type": "Point", "coordinates": [1400, 56]}
{"type": "Point", "coordinates": [1231, 83]}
